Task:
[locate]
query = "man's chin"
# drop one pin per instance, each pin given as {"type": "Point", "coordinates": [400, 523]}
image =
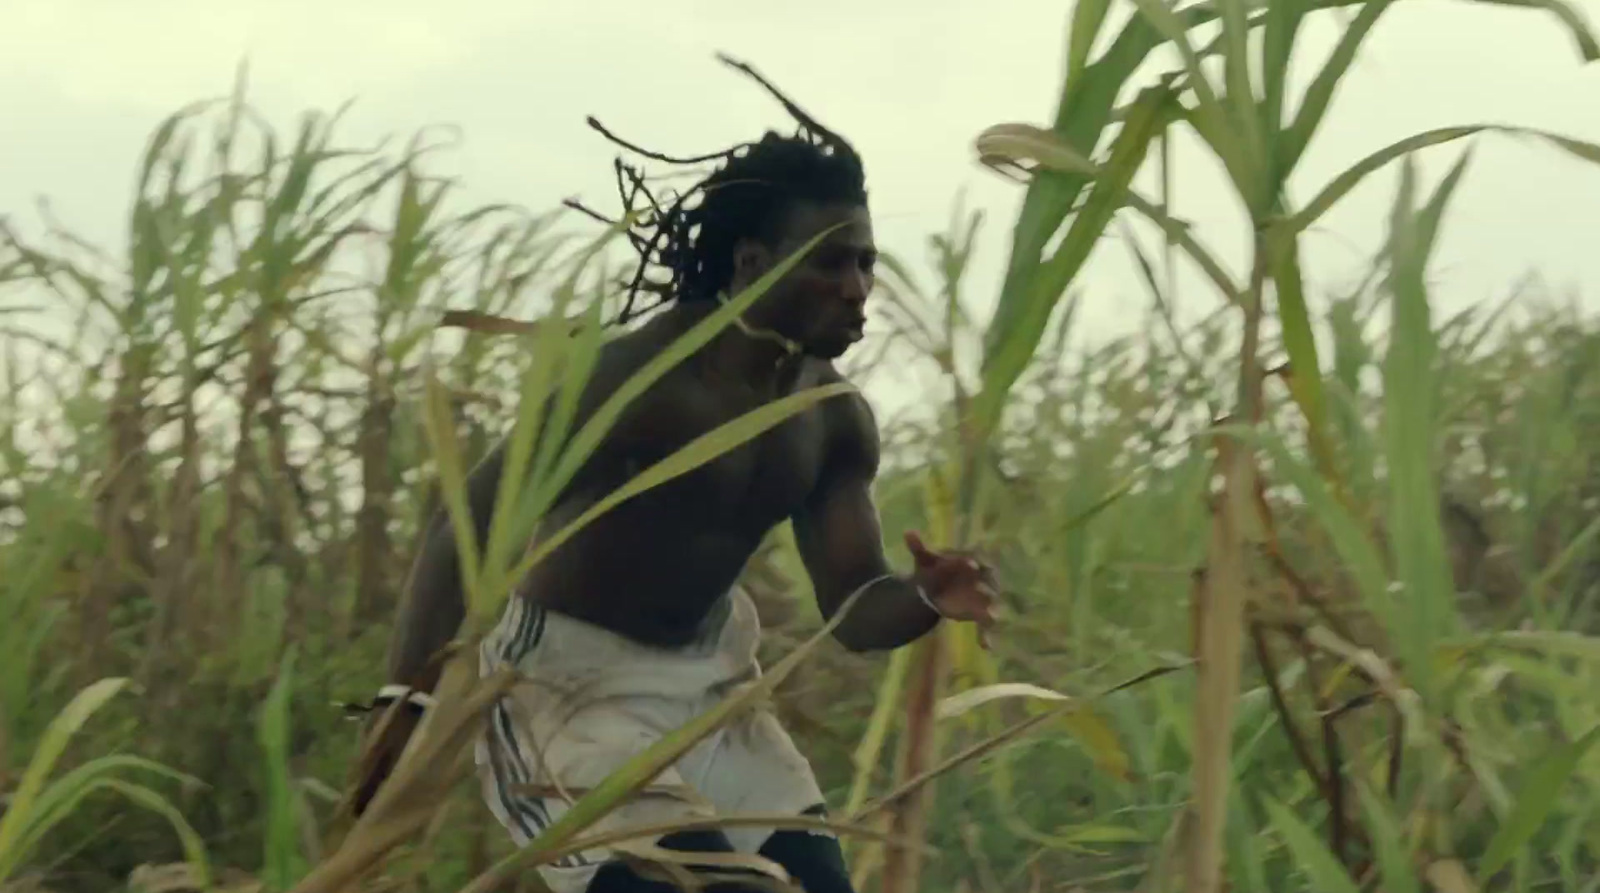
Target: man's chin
{"type": "Point", "coordinates": [828, 350]}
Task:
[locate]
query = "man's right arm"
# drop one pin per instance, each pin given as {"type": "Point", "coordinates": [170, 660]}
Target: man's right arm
{"type": "Point", "coordinates": [430, 615]}
{"type": "Point", "coordinates": [434, 605]}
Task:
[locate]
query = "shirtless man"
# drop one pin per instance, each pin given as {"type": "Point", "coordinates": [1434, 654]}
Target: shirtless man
{"type": "Point", "coordinates": [636, 624]}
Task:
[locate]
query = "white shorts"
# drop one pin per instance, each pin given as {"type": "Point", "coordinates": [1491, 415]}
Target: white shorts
{"type": "Point", "coordinates": [588, 699]}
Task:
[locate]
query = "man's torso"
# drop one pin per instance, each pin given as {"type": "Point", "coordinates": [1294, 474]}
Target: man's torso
{"type": "Point", "coordinates": [653, 567]}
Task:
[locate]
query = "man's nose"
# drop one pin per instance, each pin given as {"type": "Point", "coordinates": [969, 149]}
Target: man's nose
{"type": "Point", "coordinates": [857, 285]}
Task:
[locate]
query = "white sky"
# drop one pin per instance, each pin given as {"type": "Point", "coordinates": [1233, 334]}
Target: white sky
{"type": "Point", "coordinates": [910, 82]}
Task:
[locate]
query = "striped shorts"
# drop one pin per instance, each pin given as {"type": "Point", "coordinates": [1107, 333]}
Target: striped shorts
{"type": "Point", "coordinates": [586, 700]}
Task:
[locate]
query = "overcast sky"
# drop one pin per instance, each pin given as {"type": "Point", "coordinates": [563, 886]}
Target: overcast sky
{"type": "Point", "coordinates": [911, 82]}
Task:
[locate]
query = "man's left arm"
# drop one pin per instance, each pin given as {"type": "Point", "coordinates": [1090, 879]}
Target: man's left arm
{"type": "Point", "coordinates": [841, 543]}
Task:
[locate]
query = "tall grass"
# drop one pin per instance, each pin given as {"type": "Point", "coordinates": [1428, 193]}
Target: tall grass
{"type": "Point", "coordinates": [1271, 625]}
{"type": "Point", "coordinates": [1241, 115]}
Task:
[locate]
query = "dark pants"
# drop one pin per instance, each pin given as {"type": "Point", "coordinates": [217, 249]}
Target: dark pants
{"type": "Point", "coordinates": [814, 861]}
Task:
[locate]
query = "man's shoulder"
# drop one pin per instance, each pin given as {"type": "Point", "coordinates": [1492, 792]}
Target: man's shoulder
{"type": "Point", "coordinates": [646, 337]}
{"type": "Point", "coordinates": [852, 426]}
{"type": "Point", "coordinates": [628, 351]}
{"type": "Point", "coordinates": [852, 401]}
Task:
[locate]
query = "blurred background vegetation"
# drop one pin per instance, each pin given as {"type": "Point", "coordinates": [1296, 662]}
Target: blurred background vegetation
{"type": "Point", "coordinates": [215, 466]}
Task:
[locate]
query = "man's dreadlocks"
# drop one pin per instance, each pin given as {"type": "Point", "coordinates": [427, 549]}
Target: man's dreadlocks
{"type": "Point", "coordinates": [746, 197]}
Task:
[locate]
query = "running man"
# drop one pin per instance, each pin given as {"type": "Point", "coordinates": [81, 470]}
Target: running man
{"type": "Point", "coordinates": [636, 624]}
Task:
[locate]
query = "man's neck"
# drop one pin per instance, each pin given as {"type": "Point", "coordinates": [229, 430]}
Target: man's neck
{"type": "Point", "coordinates": [752, 357]}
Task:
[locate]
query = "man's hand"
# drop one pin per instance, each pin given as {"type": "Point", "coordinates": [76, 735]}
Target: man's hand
{"type": "Point", "coordinates": [960, 586]}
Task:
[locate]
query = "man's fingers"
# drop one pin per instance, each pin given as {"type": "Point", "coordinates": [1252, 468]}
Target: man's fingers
{"type": "Point", "coordinates": [919, 550]}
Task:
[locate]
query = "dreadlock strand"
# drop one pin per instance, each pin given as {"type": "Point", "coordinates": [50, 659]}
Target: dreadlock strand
{"type": "Point", "coordinates": [745, 195]}
{"type": "Point", "coordinates": [658, 250]}
{"type": "Point", "coordinates": [807, 123]}
{"type": "Point", "coordinates": [655, 156]}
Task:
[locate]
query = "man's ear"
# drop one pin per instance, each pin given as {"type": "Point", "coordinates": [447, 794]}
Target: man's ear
{"type": "Point", "coordinates": [750, 260]}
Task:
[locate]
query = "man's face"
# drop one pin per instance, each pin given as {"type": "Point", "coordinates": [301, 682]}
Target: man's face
{"type": "Point", "coordinates": [821, 303]}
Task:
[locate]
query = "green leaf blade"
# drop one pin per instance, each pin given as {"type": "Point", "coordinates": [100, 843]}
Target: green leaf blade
{"type": "Point", "coordinates": [1314, 860]}
{"type": "Point", "coordinates": [1537, 799]}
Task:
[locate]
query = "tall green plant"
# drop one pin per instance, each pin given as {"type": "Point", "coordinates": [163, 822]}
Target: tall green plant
{"type": "Point", "coordinates": [1248, 128]}
{"type": "Point", "coordinates": [282, 862]}
{"type": "Point", "coordinates": [40, 802]}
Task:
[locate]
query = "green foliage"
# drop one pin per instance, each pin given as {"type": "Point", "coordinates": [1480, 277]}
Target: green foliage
{"type": "Point", "coordinates": [40, 804]}
{"type": "Point", "coordinates": [1535, 802]}
{"type": "Point", "coordinates": [281, 863]}
{"type": "Point", "coordinates": [224, 508]}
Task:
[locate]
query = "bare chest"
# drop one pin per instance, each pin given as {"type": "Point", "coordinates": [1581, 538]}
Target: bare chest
{"type": "Point", "coordinates": [739, 478]}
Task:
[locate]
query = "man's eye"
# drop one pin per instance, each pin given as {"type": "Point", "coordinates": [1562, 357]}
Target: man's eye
{"type": "Point", "coordinates": [832, 260]}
